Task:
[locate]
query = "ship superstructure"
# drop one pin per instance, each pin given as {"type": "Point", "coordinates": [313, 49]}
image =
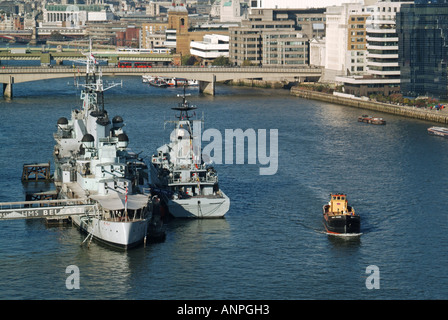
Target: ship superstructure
{"type": "Point", "coordinates": [93, 162]}
{"type": "Point", "coordinates": [189, 186]}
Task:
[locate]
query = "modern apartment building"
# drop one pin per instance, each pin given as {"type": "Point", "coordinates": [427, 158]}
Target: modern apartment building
{"type": "Point", "coordinates": [423, 48]}
{"type": "Point", "coordinates": [356, 61]}
{"type": "Point", "coordinates": [382, 70]}
{"type": "Point", "coordinates": [276, 36]}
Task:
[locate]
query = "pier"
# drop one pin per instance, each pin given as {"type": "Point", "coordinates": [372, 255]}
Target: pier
{"type": "Point", "coordinates": [36, 172]}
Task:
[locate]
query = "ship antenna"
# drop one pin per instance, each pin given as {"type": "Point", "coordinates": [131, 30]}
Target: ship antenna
{"type": "Point", "coordinates": [184, 106]}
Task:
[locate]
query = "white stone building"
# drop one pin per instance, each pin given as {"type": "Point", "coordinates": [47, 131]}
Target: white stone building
{"type": "Point", "coordinates": [212, 47]}
{"type": "Point", "coordinates": [74, 16]}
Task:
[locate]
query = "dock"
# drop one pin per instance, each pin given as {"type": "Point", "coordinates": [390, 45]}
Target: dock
{"type": "Point", "coordinates": [36, 172]}
{"type": "Point", "coordinates": [45, 195]}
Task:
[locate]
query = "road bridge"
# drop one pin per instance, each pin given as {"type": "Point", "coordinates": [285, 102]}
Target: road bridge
{"type": "Point", "coordinates": [206, 76]}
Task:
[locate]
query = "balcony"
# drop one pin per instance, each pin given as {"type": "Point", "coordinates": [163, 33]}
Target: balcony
{"type": "Point", "coordinates": [382, 29]}
{"type": "Point", "coordinates": [382, 56]}
{"type": "Point", "coordinates": [383, 48]}
{"type": "Point", "coordinates": [383, 73]}
{"type": "Point", "coordinates": [380, 64]}
{"type": "Point", "coordinates": [382, 39]}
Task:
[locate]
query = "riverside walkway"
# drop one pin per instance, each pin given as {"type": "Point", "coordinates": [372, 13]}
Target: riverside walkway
{"type": "Point", "coordinates": [439, 116]}
{"type": "Point", "coordinates": [206, 76]}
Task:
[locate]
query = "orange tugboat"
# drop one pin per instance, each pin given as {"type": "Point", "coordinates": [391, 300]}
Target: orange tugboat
{"type": "Point", "coordinates": [340, 218]}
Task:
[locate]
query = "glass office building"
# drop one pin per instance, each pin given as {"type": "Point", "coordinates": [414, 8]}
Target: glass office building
{"type": "Point", "coordinates": [422, 30]}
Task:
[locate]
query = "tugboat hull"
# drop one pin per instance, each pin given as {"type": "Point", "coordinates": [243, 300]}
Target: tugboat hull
{"type": "Point", "coordinates": [342, 224]}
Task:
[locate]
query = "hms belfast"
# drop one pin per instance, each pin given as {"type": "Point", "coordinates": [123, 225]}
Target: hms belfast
{"type": "Point", "coordinates": [93, 162]}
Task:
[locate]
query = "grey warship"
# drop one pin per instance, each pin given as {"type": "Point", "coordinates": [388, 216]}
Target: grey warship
{"type": "Point", "coordinates": [188, 186]}
{"type": "Point", "coordinates": [93, 162]}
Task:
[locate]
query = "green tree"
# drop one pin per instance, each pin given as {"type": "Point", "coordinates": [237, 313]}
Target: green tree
{"type": "Point", "coordinates": [247, 63]}
{"type": "Point", "coordinates": [221, 61]}
{"type": "Point", "coordinates": [189, 60]}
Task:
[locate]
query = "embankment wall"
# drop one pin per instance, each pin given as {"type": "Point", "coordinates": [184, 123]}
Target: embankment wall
{"type": "Point", "coordinates": [411, 112]}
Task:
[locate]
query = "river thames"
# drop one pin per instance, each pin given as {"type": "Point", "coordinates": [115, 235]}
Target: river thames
{"type": "Point", "coordinates": [271, 244]}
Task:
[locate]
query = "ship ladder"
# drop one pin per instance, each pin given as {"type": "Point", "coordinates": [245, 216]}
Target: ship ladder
{"type": "Point", "coordinates": [91, 232]}
{"type": "Point", "coordinates": [200, 214]}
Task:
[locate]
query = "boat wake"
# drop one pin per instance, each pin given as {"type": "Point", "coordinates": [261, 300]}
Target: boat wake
{"type": "Point", "coordinates": [344, 235]}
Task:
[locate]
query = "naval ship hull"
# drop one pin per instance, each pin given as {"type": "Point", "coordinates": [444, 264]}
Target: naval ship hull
{"type": "Point", "coordinates": [199, 207]}
{"type": "Point", "coordinates": [123, 235]}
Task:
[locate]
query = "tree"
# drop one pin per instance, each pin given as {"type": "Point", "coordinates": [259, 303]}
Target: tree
{"type": "Point", "coordinates": [247, 63]}
{"type": "Point", "coordinates": [221, 61]}
{"type": "Point", "coordinates": [189, 60]}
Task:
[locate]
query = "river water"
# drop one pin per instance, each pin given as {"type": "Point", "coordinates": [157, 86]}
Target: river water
{"type": "Point", "coordinates": [271, 244]}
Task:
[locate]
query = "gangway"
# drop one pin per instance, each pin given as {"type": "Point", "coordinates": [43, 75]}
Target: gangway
{"type": "Point", "coordinates": [46, 208]}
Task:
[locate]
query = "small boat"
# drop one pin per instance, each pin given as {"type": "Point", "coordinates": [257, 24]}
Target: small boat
{"type": "Point", "coordinates": [158, 82]}
{"type": "Point", "coordinates": [339, 218]}
{"type": "Point", "coordinates": [146, 78]}
{"type": "Point", "coordinates": [193, 83]}
{"type": "Point", "coordinates": [181, 82]}
{"type": "Point", "coordinates": [170, 82]}
{"type": "Point", "coordinates": [438, 131]}
{"type": "Point", "coordinates": [372, 120]}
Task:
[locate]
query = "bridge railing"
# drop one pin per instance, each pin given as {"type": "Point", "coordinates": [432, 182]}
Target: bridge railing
{"type": "Point", "coordinates": [106, 69]}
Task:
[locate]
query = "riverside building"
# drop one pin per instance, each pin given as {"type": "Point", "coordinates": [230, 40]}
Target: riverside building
{"type": "Point", "coordinates": [382, 74]}
{"type": "Point", "coordinates": [423, 48]}
{"type": "Point", "coordinates": [276, 36]}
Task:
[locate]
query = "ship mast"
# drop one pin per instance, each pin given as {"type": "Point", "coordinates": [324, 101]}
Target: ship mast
{"type": "Point", "coordinates": [94, 88]}
{"type": "Point", "coordinates": [184, 107]}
